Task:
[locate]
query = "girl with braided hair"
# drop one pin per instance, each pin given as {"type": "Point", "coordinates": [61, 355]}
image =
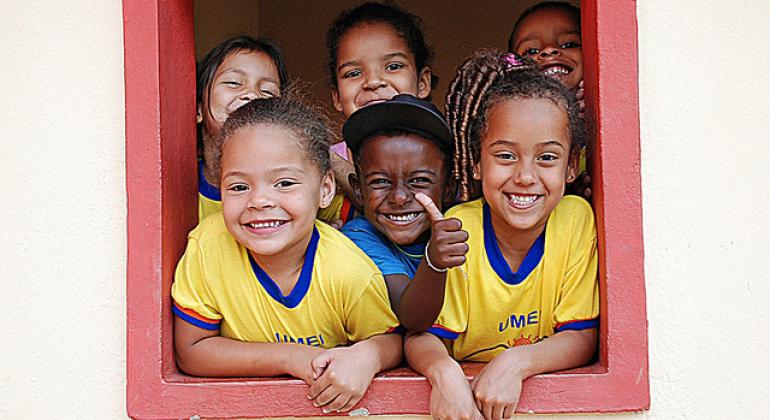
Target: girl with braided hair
{"type": "Point", "coordinates": [526, 298]}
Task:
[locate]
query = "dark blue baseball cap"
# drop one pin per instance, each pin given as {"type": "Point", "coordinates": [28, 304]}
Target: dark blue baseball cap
{"type": "Point", "coordinates": [403, 112]}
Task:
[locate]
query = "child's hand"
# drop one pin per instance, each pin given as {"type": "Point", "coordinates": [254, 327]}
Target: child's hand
{"type": "Point", "coordinates": [452, 398]}
{"type": "Point", "coordinates": [300, 364]}
{"type": "Point", "coordinates": [342, 376]}
{"type": "Point", "coordinates": [580, 96]}
{"type": "Point", "coordinates": [497, 387]}
{"type": "Point", "coordinates": [447, 239]}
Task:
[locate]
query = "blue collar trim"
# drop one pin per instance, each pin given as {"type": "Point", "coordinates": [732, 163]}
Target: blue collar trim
{"type": "Point", "coordinates": [498, 262]}
{"type": "Point", "coordinates": [204, 188]}
{"type": "Point", "coordinates": [303, 283]}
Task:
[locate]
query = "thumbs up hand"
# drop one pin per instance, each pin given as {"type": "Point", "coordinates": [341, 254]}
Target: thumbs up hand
{"type": "Point", "coordinates": [447, 246]}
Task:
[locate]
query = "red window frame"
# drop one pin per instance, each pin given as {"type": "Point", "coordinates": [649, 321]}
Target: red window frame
{"type": "Point", "coordinates": [161, 180]}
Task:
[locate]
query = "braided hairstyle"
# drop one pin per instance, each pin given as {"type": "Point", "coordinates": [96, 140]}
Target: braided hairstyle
{"type": "Point", "coordinates": [486, 78]}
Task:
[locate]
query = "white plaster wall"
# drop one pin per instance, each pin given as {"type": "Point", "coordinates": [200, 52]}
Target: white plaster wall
{"type": "Point", "coordinates": [62, 217]}
{"type": "Point", "coordinates": [705, 129]}
{"type": "Point", "coordinates": [705, 147]}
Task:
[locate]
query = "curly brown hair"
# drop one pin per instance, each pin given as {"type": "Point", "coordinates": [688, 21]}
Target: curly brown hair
{"type": "Point", "coordinates": [487, 78]}
{"type": "Point", "coordinates": [290, 110]}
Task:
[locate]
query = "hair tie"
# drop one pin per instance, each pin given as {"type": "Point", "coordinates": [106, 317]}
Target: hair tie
{"type": "Point", "coordinates": [513, 60]}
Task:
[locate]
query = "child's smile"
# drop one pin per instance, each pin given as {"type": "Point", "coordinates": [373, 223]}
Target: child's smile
{"type": "Point", "coordinates": [551, 37]}
{"type": "Point", "coordinates": [270, 190]}
{"type": "Point", "coordinates": [393, 169]}
{"type": "Point", "coordinates": [374, 64]}
{"type": "Point", "coordinates": [525, 161]}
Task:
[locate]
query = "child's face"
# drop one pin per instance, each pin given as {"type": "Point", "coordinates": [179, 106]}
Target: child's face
{"type": "Point", "coordinates": [374, 64]}
{"type": "Point", "coordinates": [270, 190]}
{"type": "Point", "coordinates": [392, 169]}
{"type": "Point", "coordinates": [242, 77]}
{"type": "Point", "coordinates": [551, 37]}
{"type": "Point", "coordinates": [525, 162]}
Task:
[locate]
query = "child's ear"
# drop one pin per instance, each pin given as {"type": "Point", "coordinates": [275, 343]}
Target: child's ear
{"type": "Point", "coordinates": [327, 190]}
{"type": "Point", "coordinates": [572, 167]}
{"type": "Point", "coordinates": [477, 171]}
{"type": "Point", "coordinates": [336, 99]}
{"type": "Point", "coordinates": [355, 185]}
{"type": "Point", "coordinates": [198, 114]}
{"type": "Point", "coordinates": [423, 82]}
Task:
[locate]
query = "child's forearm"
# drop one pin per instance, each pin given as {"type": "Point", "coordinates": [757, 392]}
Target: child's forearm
{"type": "Point", "coordinates": [384, 350]}
{"type": "Point", "coordinates": [421, 301]}
{"type": "Point", "coordinates": [427, 355]}
{"type": "Point", "coordinates": [222, 357]}
{"type": "Point", "coordinates": [202, 352]}
{"type": "Point", "coordinates": [564, 350]}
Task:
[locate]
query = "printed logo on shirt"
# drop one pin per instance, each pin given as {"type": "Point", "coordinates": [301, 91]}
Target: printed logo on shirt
{"type": "Point", "coordinates": [519, 321]}
{"type": "Point", "coordinates": [311, 340]}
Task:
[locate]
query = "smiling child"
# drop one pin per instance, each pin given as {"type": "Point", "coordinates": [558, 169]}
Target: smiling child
{"type": "Point", "coordinates": [526, 300]}
{"type": "Point", "coordinates": [549, 34]}
{"type": "Point", "coordinates": [375, 51]}
{"type": "Point", "coordinates": [266, 289]}
{"type": "Point", "coordinates": [233, 73]}
{"type": "Point", "coordinates": [402, 149]}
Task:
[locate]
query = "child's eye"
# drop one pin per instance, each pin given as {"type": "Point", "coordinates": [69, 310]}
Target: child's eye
{"type": "Point", "coordinates": [570, 44]}
{"type": "Point", "coordinates": [421, 180]}
{"type": "Point", "coordinates": [238, 187]}
{"type": "Point", "coordinates": [351, 74]}
{"type": "Point", "coordinates": [285, 183]}
{"type": "Point", "coordinates": [233, 83]}
{"type": "Point", "coordinates": [531, 51]}
{"type": "Point", "coordinates": [267, 93]}
{"type": "Point", "coordinates": [505, 156]}
{"type": "Point", "coordinates": [394, 66]}
{"type": "Point", "coordinates": [379, 183]}
{"type": "Point", "coordinates": [548, 157]}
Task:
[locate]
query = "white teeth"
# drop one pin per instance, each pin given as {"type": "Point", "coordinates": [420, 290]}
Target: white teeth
{"type": "Point", "coordinates": [262, 225]}
{"type": "Point", "coordinates": [408, 217]}
{"type": "Point", "coordinates": [552, 71]}
{"type": "Point", "coordinates": [523, 200]}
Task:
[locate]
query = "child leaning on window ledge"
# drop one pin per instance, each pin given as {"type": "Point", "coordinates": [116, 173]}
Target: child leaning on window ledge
{"type": "Point", "coordinates": [264, 289]}
{"type": "Point", "coordinates": [526, 300]}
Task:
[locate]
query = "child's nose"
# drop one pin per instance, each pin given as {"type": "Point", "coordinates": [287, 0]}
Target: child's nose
{"type": "Point", "coordinates": [260, 199]}
{"type": "Point", "coordinates": [549, 51]}
{"type": "Point", "coordinates": [525, 174]}
{"type": "Point", "coordinates": [249, 95]}
{"type": "Point", "coordinates": [400, 195]}
{"type": "Point", "coordinates": [374, 80]}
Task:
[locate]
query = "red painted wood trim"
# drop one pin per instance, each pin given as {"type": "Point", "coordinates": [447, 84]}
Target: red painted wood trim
{"type": "Point", "coordinates": [160, 183]}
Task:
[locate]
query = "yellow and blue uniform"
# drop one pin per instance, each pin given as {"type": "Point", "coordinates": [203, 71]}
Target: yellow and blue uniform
{"type": "Point", "coordinates": [209, 197]}
{"type": "Point", "coordinates": [489, 308]}
{"type": "Point", "coordinates": [210, 202]}
{"type": "Point", "coordinates": [340, 296]}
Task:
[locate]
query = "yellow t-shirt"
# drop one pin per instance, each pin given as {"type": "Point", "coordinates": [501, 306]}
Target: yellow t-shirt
{"type": "Point", "coordinates": [340, 296]}
{"type": "Point", "coordinates": [494, 308]}
{"type": "Point", "coordinates": [209, 197]}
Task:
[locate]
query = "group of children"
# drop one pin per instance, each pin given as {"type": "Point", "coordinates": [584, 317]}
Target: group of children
{"type": "Point", "coordinates": [269, 286]}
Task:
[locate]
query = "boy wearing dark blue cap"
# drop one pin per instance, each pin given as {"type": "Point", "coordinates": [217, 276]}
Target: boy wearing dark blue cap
{"type": "Point", "coordinates": [402, 149]}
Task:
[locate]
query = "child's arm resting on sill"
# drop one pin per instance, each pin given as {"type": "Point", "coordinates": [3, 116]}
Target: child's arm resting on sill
{"type": "Point", "coordinates": [420, 302]}
{"type": "Point", "coordinates": [451, 396]}
{"type": "Point", "coordinates": [201, 352]}
{"type": "Point", "coordinates": [497, 387]}
{"type": "Point", "coordinates": [342, 375]}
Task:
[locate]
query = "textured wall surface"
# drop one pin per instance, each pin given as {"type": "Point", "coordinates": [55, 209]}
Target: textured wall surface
{"type": "Point", "coordinates": [705, 143]}
{"type": "Point", "coordinates": [62, 218]}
